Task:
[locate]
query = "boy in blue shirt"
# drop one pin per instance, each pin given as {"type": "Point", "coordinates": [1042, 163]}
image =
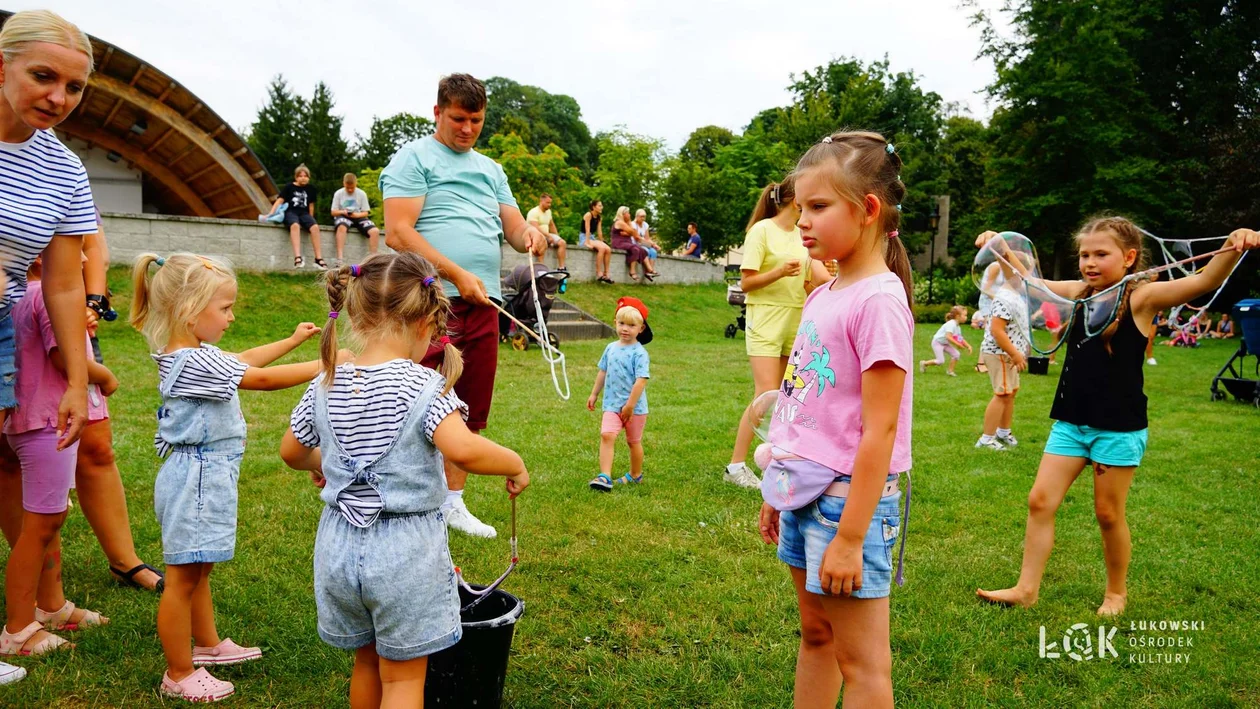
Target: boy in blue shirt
{"type": "Point", "coordinates": [623, 375]}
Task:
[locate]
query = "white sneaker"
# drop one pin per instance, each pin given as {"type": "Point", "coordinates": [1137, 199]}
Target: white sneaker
{"type": "Point", "coordinates": [458, 517]}
{"type": "Point", "coordinates": [743, 477]}
{"type": "Point", "coordinates": [922, 367]}
{"type": "Point", "coordinates": [11, 673]}
{"type": "Point", "coordinates": [1007, 440]}
{"type": "Point", "coordinates": [1151, 361]}
{"type": "Point", "coordinates": [994, 445]}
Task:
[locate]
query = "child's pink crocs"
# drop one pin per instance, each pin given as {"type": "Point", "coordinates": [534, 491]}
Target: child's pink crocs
{"type": "Point", "coordinates": [225, 653]}
{"type": "Point", "coordinates": [199, 686]}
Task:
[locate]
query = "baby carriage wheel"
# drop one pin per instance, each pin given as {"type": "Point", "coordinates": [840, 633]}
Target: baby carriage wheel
{"type": "Point", "coordinates": [553, 340]}
{"type": "Point", "coordinates": [520, 341]}
{"type": "Point", "coordinates": [731, 331]}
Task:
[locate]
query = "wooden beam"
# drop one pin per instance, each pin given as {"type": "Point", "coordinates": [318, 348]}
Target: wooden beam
{"type": "Point", "coordinates": [220, 190]}
{"type": "Point", "coordinates": [215, 133]}
{"type": "Point", "coordinates": [243, 149]}
{"type": "Point", "coordinates": [151, 167]}
{"type": "Point", "coordinates": [167, 92]}
{"type": "Point", "coordinates": [193, 111]}
{"type": "Point", "coordinates": [196, 137]}
{"type": "Point", "coordinates": [109, 53]}
{"type": "Point", "coordinates": [112, 112]}
{"type": "Point", "coordinates": [201, 172]}
{"type": "Point", "coordinates": [182, 154]}
{"type": "Point", "coordinates": [161, 139]}
{"type": "Point", "coordinates": [258, 174]}
{"type": "Point", "coordinates": [233, 210]}
{"type": "Point", "coordinates": [139, 71]}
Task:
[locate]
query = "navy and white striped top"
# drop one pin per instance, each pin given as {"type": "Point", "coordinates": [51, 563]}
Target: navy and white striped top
{"type": "Point", "coordinates": [44, 192]}
{"type": "Point", "coordinates": [208, 373]}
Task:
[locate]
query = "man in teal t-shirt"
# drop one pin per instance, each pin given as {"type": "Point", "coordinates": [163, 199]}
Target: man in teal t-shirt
{"type": "Point", "coordinates": [452, 205]}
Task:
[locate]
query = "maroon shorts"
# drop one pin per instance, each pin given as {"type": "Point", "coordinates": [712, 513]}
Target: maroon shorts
{"type": "Point", "coordinates": [474, 329]}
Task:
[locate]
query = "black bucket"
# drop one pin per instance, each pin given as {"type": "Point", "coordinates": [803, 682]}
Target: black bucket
{"type": "Point", "coordinates": [471, 672]}
{"type": "Point", "coordinates": [1038, 365]}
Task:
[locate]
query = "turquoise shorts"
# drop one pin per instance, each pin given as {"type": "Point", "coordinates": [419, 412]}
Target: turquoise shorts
{"type": "Point", "coordinates": [1119, 448]}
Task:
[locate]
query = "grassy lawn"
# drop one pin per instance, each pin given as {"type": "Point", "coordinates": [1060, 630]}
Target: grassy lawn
{"type": "Point", "coordinates": [664, 595]}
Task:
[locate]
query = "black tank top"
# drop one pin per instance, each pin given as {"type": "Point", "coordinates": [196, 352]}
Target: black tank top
{"type": "Point", "coordinates": [1102, 389]}
{"type": "Point", "coordinates": [595, 220]}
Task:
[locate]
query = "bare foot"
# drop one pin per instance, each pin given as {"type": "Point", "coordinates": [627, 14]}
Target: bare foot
{"type": "Point", "coordinates": [1008, 597]}
{"type": "Point", "coordinates": [1112, 605]}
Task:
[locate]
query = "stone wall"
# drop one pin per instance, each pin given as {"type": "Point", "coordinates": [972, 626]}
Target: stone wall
{"type": "Point", "coordinates": [254, 246]}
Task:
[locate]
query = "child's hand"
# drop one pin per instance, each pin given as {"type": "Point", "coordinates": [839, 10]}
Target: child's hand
{"type": "Point", "coordinates": [841, 570]}
{"type": "Point", "coordinates": [344, 356]}
{"type": "Point", "coordinates": [1243, 239]}
{"type": "Point", "coordinates": [984, 238]}
{"type": "Point", "coordinates": [305, 331]}
{"type": "Point", "coordinates": [318, 478]}
{"type": "Point", "coordinates": [590, 403]}
{"type": "Point", "coordinates": [626, 412]}
{"type": "Point", "coordinates": [769, 524]}
{"type": "Point", "coordinates": [1020, 361]}
{"type": "Point", "coordinates": [790, 268]}
{"type": "Point", "coordinates": [517, 484]}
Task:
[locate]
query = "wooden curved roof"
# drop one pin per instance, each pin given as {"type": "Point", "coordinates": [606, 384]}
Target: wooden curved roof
{"type": "Point", "coordinates": [193, 162]}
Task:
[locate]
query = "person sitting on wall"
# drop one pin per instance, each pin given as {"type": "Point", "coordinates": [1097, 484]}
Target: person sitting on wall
{"type": "Point", "coordinates": [299, 195]}
{"type": "Point", "coordinates": [694, 246]}
{"type": "Point", "coordinates": [540, 217]}
{"type": "Point", "coordinates": [350, 208]}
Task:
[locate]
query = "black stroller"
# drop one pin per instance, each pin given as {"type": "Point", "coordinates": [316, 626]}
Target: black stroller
{"type": "Point", "coordinates": [735, 296]}
{"type": "Point", "coordinates": [518, 299]}
{"type": "Point", "coordinates": [1233, 379]}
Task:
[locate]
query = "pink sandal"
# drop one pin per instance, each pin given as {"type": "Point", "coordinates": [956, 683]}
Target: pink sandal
{"type": "Point", "coordinates": [225, 653]}
{"type": "Point", "coordinates": [200, 686]}
{"type": "Point", "coordinates": [60, 620]}
{"type": "Point", "coordinates": [12, 643]}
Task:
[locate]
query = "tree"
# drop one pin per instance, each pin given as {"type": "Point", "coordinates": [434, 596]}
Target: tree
{"type": "Point", "coordinates": [629, 170]}
{"type": "Point", "coordinates": [538, 118]}
{"type": "Point", "coordinates": [387, 135]}
{"type": "Point", "coordinates": [325, 151]}
{"type": "Point", "coordinates": [704, 143]}
{"type": "Point", "coordinates": [531, 174]}
{"type": "Point", "coordinates": [275, 136]}
{"type": "Point", "coordinates": [964, 153]}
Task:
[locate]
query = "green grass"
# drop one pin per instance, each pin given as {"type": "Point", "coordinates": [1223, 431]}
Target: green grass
{"type": "Point", "coordinates": [663, 595]}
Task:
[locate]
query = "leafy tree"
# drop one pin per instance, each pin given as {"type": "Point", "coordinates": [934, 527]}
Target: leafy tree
{"type": "Point", "coordinates": [704, 143]}
{"type": "Point", "coordinates": [387, 135]}
{"type": "Point", "coordinates": [539, 118]}
{"type": "Point", "coordinates": [324, 150]}
{"type": "Point", "coordinates": [629, 170]}
{"type": "Point", "coordinates": [275, 136]}
{"type": "Point", "coordinates": [964, 153]}
{"type": "Point", "coordinates": [531, 174]}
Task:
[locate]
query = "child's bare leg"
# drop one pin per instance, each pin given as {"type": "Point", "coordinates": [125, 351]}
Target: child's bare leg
{"type": "Point", "coordinates": [818, 677]}
{"type": "Point", "coordinates": [365, 679]}
{"type": "Point", "coordinates": [340, 236]}
{"type": "Point", "coordinates": [1054, 477]}
{"type": "Point", "coordinates": [174, 618]}
{"type": "Point", "coordinates": [295, 238]}
{"type": "Point", "coordinates": [994, 412]}
{"type": "Point", "coordinates": [51, 595]}
{"type": "Point", "coordinates": [1008, 413]}
{"type": "Point", "coordinates": [315, 241]}
{"type": "Point", "coordinates": [203, 631]}
{"type": "Point", "coordinates": [27, 569]}
{"type": "Point", "coordinates": [606, 441]}
{"type": "Point", "coordinates": [767, 376]}
{"type": "Point", "coordinates": [862, 649]}
{"type": "Point", "coordinates": [928, 363]}
{"type": "Point", "coordinates": [953, 362]}
{"type": "Point", "coordinates": [402, 683]}
{"type": "Point", "coordinates": [636, 459]}
{"type": "Point", "coordinates": [1111, 491]}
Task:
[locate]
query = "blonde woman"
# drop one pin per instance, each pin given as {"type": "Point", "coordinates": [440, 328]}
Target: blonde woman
{"type": "Point", "coordinates": [643, 235]}
{"type": "Point", "coordinates": [623, 234]}
{"type": "Point", "coordinates": [45, 62]}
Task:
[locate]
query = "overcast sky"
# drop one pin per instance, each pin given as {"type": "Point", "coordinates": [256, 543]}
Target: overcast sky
{"type": "Point", "coordinates": [659, 67]}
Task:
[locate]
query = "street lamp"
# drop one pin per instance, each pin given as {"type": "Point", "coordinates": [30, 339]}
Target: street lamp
{"type": "Point", "coordinates": [933, 220]}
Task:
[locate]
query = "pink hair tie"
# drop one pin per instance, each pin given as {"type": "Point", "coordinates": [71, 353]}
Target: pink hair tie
{"type": "Point", "coordinates": [893, 234]}
{"type": "Point", "coordinates": [354, 270]}
{"type": "Point", "coordinates": [444, 341]}
{"type": "Point", "coordinates": [428, 281]}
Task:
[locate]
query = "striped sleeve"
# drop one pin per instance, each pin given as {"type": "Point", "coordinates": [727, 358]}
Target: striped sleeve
{"type": "Point", "coordinates": [209, 374]}
{"type": "Point", "coordinates": [443, 405]}
{"type": "Point", "coordinates": [81, 218]}
{"type": "Point", "coordinates": [302, 422]}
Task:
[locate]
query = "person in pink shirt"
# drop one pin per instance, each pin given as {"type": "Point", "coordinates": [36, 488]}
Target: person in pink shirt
{"type": "Point", "coordinates": [34, 597]}
{"type": "Point", "coordinates": [840, 432]}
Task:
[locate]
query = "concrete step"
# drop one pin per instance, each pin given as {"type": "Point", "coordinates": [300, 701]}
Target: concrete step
{"type": "Point", "coordinates": [570, 331]}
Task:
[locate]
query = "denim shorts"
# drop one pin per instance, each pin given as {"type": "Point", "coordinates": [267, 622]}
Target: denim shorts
{"type": "Point", "coordinates": [805, 533]}
{"type": "Point", "coordinates": [1119, 448]}
{"type": "Point", "coordinates": [392, 584]}
{"type": "Point", "coordinates": [8, 367]}
{"type": "Point", "coordinates": [195, 500]}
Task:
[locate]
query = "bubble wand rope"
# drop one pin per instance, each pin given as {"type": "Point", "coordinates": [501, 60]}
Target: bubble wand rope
{"type": "Point", "coordinates": [550, 353]}
{"type": "Point", "coordinates": [483, 594]}
{"type": "Point", "coordinates": [559, 356]}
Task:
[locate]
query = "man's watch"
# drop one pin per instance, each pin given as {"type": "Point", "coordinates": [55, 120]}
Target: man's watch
{"type": "Point", "coordinates": [100, 304]}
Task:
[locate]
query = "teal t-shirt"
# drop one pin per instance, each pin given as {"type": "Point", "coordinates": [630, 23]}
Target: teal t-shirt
{"type": "Point", "coordinates": [622, 365]}
{"type": "Point", "coordinates": [462, 193]}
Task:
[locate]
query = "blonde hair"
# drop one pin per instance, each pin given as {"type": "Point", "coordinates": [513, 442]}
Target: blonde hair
{"type": "Point", "coordinates": [863, 163]}
{"type": "Point", "coordinates": [629, 315]}
{"type": "Point", "coordinates": [301, 169]}
{"type": "Point", "coordinates": [620, 211]}
{"type": "Point", "coordinates": [639, 212]}
{"type": "Point", "coordinates": [348, 179]}
{"type": "Point", "coordinates": [163, 306]}
{"type": "Point", "coordinates": [956, 311]}
{"type": "Point", "coordinates": [389, 294]}
{"type": "Point", "coordinates": [30, 26]}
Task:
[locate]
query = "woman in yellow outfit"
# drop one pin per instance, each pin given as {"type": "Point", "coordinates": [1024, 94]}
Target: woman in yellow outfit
{"type": "Point", "coordinates": [777, 275]}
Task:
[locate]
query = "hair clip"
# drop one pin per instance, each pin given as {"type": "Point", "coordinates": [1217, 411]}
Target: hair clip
{"type": "Point", "coordinates": [890, 148]}
{"type": "Point", "coordinates": [827, 140]}
{"type": "Point", "coordinates": [428, 281]}
{"type": "Point", "coordinates": [774, 194]}
{"type": "Point", "coordinates": [893, 234]}
{"type": "Point", "coordinates": [160, 261]}
{"type": "Point", "coordinates": [899, 208]}
{"type": "Point", "coordinates": [355, 270]}
{"type": "Point", "coordinates": [332, 314]}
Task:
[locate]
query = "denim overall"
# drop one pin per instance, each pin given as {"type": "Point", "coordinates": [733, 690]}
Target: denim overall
{"type": "Point", "coordinates": [391, 582]}
{"type": "Point", "coordinates": [195, 491]}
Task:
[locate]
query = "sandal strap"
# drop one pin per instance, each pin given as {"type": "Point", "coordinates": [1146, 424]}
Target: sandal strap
{"type": "Point", "coordinates": [48, 644]}
{"type": "Point", "coordinates": [11, 643]}
{"type": "Point", "coordinates": [57, 618]}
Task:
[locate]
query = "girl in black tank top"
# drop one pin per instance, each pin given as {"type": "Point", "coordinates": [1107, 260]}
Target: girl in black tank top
{"type": "Point", "coordinates": [1099, 409]}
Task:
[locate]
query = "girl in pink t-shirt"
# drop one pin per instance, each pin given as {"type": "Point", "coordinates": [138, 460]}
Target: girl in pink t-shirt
{"type": "Point", "coordinates": [841, 426]}
{"type": "Point", "coordinates": [36, 602]}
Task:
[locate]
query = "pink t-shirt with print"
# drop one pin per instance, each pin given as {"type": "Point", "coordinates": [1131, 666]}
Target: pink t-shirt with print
{"type": "Point", "coordinates": [40, 385]}
{"type": "Point", "coordinates": [842, 334]}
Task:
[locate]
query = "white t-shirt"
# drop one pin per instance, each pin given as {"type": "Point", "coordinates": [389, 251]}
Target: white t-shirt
{"type": "Point", "coordinates": [1011, 307]}
{"type": "Point", "coordinates": [357, 202]}
{"type": "Point", "coordinates": [949, 328]}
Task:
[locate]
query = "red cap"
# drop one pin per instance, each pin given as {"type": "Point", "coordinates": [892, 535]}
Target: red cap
{"type": "Point", "coordinates": [627, 301]}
